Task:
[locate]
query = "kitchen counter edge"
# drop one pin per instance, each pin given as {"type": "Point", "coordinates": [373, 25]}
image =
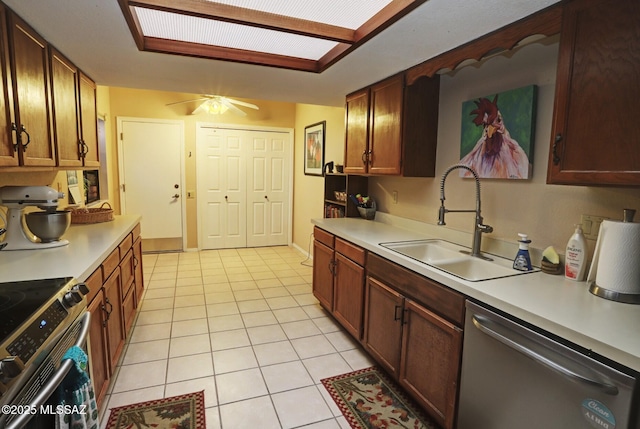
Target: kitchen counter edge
{"type": "Point", "coordinates": [89, 245]}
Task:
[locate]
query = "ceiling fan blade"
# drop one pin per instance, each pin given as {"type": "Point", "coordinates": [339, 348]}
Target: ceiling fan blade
{"type": "Point", "coordinates": [187, 101]}
{"type": "Point", "coordinates": [242, 103]}
{"type": "Point", "coordinates": [231, 107]}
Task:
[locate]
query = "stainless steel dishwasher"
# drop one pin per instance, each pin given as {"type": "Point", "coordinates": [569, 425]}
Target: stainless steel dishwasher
{"type": "Point", "coordinates": [516, 377]}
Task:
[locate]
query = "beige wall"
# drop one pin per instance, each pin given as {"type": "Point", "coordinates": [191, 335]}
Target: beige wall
{"type": "Point", "coordinates": [546, 213]}
{"type": "Point", "coordinates": [308, 192]}
{"type": "Point", "coordinates": [126, 102]}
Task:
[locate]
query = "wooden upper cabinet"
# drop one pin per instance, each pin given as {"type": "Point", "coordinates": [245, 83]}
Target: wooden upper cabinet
{"type": "Point", "coordinates": [88, 120]}
{"type": "Point", "coordinates": [31, 92]}
{"type": "Point", "coordinates": [392, 128]}
{"type": "Point", "coordinates": [357, 134]}
{"type": "Point", "coordinates": [74, 114]}
{"type": "Point", "coordinates": [64, 78]}
{"type": "Point", "coordinates": [8, 154]}
{"type": "Point", "coordinates": [385, 125]}
{"type": "Point", "coordinates": [596, 132]}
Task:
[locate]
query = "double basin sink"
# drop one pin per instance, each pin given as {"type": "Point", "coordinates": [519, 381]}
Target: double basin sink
{"type": "Point", "coordinates": [450, 258]}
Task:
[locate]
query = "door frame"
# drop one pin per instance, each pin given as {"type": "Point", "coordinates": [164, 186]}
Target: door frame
{"type": "Point", "coordinates": [289, 131]}
{"type": "Point", "coordinates": [183, 205]}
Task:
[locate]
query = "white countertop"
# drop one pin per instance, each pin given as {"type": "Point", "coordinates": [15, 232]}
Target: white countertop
{"type": "Point", "coordinates": [562, 307]}
{"type": "Point", "coordinates": [88, 246]}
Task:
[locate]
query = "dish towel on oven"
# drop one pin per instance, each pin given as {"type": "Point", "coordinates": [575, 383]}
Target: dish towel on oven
{"type": "Point", "coordinates": [76, 399]}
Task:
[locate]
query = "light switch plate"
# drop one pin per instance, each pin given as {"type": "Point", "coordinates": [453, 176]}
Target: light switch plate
{"type": "Point", "coordinates": [591, 225]}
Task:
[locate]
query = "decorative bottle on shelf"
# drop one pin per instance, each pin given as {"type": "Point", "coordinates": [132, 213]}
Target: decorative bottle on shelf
{"type": "Point", "coordinates": [575, 257]}
{"type": "Point", "coordinates": [522, 261]}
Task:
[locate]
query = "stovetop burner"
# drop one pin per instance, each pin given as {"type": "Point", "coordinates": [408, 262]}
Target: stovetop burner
{"type": "Point", "coordinates": [19, 300]}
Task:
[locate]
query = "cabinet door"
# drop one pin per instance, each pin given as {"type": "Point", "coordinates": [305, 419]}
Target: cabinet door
{"type": "Point", "coordinates": [64, 77]}
{"type": "Point", "coordinates": [31, 94]}
{"type": "Point", "coordinates": [138, 277]}
{"type": "Point", "coordinates": [88, 121]}
{"type": "Point", "coordinates": [357, 133]}
{"type": "Point", "coordinates": [115, 325]}
{"type": "Point", "coordinates": [348, 297]}
{"type": "Point", "coordinates": [595, 129]}
{"type": "Point", "coordinates": [8, 155]}
{"type": "Point", "coordinates": [323, 268]}
{"type": "Point", "coordinates": [385, 125]}
{"type": "Point", "coordinates": [98, 346]}
{"type": "Point", "coordinates": [383, 324]}
{"type": "Point", "coordinates": [431, 351]}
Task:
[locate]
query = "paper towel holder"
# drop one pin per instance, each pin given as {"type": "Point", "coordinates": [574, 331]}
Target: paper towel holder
{"type": "Point", "coordinates": [628, 298]}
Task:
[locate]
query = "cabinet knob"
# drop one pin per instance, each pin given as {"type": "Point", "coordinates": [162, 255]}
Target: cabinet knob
{"type": "Point", "coordinates": [364, 157]}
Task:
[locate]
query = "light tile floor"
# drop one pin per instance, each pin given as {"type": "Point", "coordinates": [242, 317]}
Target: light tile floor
{"type": "Point", "coordinates": [244, 326]}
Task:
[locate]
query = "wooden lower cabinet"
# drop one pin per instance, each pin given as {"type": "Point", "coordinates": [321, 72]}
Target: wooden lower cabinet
{"type": "Point", "coordinates": [112, 303]}
{"type": "Point", "coordinates": [138, 278]}
{"type": "Point", "coordinates": [430, 362]}
{"type": "Point", "coordinates": [100, 372]}
{"type": "Point", "coordinates": [348, 293]}
{"type": "Point", "coordinates": [115, 320]}
{"type": "Point", "coordinates": [323, 274]}
{"type": "Point", "coordinates": [383, 324]}
{"type": "Point", "coordinates": [413, 329]}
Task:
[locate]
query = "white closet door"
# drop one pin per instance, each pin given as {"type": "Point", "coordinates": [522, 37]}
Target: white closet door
{"type": "Point", "coordinates": [221, 183]}
{"type": "Point", "coordinates": [268, 189]}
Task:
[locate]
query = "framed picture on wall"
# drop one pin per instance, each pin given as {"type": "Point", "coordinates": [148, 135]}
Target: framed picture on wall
{"type": "Point", "coordinates": [498, 134]}
{"type": "Point", "coordinates": [314, 148]}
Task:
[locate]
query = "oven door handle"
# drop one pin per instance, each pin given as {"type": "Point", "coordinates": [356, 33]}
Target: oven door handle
{"type": "Point", "coordinates": [55, 380]}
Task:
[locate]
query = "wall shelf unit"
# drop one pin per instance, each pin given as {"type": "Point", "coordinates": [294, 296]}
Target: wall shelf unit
{"type": "Point", "coordinates": [347, 183]}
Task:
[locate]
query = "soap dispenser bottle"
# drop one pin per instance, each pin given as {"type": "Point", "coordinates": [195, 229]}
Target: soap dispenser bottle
{"type": "Point", "coordinates": [522, 261]}
{"type": "Point", "coordinates": [575, 258]}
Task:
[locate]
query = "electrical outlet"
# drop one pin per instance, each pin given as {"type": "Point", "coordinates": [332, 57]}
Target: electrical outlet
{"type": "Point", "coordinates": [395, 197]}
{"type": "Point", "coordinates": [591, 225]}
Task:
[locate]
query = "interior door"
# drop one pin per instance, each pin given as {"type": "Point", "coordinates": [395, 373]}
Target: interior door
{"type": "Point", "coordinates": [151, 180]}
{"type": "Point", "coordinates": [267, 188]}
{"type": "Point", "coordinates": [221, 186]}
{"type": "Point", "coordinates": [243, 187]}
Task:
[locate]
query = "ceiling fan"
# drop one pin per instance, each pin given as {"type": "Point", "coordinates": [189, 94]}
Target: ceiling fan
{"type": "Point", "coordinates": [217, 105]}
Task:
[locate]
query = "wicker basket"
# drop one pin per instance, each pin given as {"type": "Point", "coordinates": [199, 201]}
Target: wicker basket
{"type": "Point", "coordinates": [92, 215]}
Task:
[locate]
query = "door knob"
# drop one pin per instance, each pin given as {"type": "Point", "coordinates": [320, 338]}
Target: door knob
{"type": "Point", "coordinates": [176, 196]}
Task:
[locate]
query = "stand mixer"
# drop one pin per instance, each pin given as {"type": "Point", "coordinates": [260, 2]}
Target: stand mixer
{"type": "Point", "coordinates": [16, 199]}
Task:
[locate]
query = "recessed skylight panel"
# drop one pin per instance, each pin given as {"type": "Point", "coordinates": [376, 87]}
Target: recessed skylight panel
{"type": "Point", "coordinates": [342, 13]}
{"type": "Point", "coordinates": [191, 29]}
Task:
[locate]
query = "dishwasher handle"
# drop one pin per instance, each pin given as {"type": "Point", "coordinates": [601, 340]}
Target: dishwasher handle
{"type": "Point", "coordinates": [481, 323]}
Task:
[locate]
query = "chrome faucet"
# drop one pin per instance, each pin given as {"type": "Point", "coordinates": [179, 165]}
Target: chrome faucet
{"type": "Point", "coordinates": [479, 227]}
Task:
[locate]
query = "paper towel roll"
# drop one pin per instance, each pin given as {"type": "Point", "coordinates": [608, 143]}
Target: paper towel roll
{"type": "Point", "coordinates": [617, 257]}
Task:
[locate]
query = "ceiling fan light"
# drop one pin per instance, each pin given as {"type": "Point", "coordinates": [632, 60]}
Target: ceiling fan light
{"type": "Point", "coordinates": [214, 107]}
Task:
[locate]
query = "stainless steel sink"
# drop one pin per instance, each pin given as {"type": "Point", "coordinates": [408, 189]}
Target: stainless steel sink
{"type": "Point", "coordinates": [447, 257]}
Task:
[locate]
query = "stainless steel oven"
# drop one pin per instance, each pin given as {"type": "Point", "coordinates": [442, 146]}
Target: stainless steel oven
{"type": "Point", "coordinates": [39, 321]}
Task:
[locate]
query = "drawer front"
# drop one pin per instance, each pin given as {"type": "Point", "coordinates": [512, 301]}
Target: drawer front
{"type": "Point", "coordinates": [355, 253]}
{"type": "Point", "coordinates": [94, 283]}
{"type": "Point", "coordinates": [125, 245]}
{"type": "Point", "coordinates": [438, 298]}
{"type": "Point", "coordinates": [323, 237]}
{"type": "Point", "coordinates": [110, 263]}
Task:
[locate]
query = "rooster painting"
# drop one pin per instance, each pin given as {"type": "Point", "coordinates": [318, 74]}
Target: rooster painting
{"type": "Point", "coordinates": [496, 154]}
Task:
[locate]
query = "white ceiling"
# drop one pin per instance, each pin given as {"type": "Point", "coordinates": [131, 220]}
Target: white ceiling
{"type": "Point", "coordinates": [93, 34]}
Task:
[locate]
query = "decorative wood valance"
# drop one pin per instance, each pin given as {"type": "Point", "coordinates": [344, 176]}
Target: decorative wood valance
{"type": "Point", "coordinates": [546, 22]}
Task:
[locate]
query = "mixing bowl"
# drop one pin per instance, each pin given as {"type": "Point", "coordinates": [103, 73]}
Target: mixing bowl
{"type": "Point", "coordinates": [48, 226]}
